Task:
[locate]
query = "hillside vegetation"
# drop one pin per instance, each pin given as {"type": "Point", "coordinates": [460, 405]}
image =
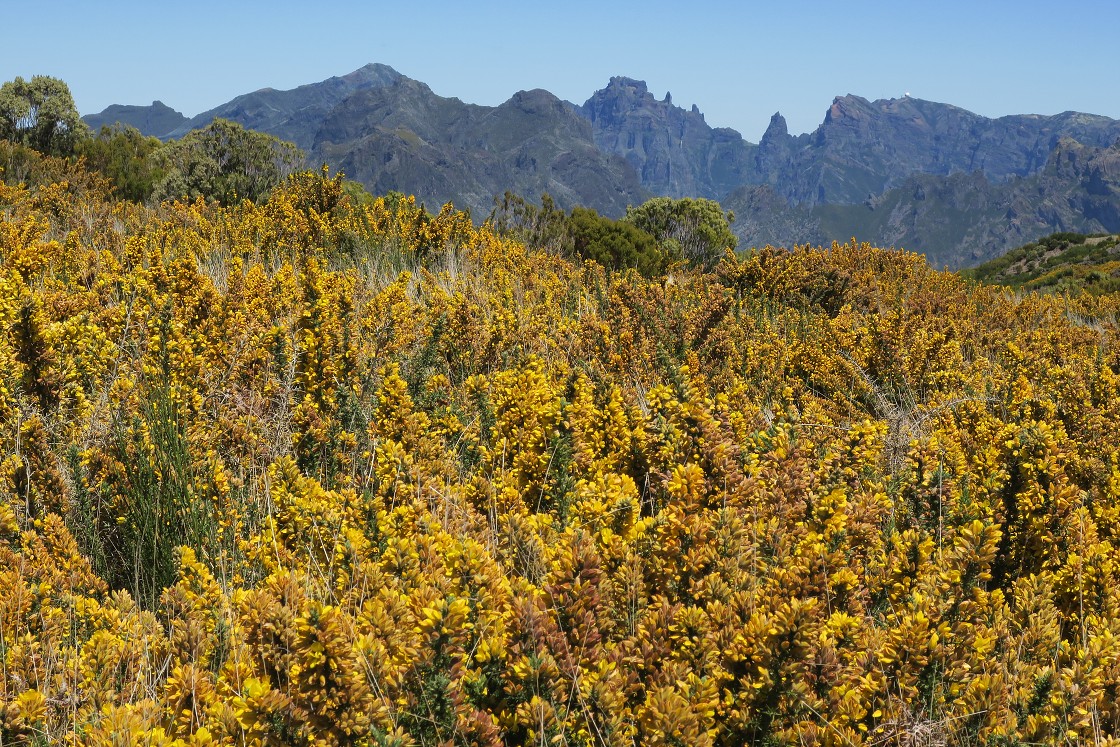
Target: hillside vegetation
{"type": "Point", "coordinates": [1061, 262]}
{"type": "Point", "coordinates": [324, 470]}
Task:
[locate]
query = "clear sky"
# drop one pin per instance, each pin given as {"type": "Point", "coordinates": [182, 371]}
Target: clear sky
{"type": "Point", "coordinates": [739, 62]}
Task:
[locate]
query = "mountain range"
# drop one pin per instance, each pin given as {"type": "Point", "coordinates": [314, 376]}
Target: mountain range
{"type": "Point", "coordinates": [914, 174]}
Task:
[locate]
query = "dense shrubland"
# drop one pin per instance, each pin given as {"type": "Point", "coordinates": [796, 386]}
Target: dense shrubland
{"type": "Point", "coordinates": [328, 470]}
{"type": "Point", "coordinates": [1059, 263]}
{"type": "Point", "coordinates": [651, 238]}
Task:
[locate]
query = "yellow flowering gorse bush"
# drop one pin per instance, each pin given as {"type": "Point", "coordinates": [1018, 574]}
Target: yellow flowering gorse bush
{"type": "Point", "coordinates": [320, 472]}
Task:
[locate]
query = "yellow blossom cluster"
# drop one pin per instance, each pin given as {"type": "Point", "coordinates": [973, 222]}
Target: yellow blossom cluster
{"type": "Point", "coordinates": [327, 471]}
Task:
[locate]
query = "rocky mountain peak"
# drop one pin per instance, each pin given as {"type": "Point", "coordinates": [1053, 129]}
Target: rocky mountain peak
{"type": "Point", "coordinates": [157, 119]}
{"type": "Point", "coordinates": [774, 153]}
{"type": "Point", "coordinates": [777, 130]}
{"type": "Point", "coordinates": [848, 108]}
{"type": "Point", "coordinates": [537, 100]}
{"type": "Point", "coordinates": [373, 73]}
{"type": "Point", "coordinates": [621, 81]}
{"type": "Point", "coordinates": [674, 150]}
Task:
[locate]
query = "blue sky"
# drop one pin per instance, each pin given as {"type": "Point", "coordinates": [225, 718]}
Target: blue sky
{"type": "Point", "coordinates": [739, 62]}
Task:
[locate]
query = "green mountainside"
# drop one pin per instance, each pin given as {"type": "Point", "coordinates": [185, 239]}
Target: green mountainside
{"type": "Point", "coordinates": [405, 138]}
{"type": "Point", "coordinates": [1058, 263]}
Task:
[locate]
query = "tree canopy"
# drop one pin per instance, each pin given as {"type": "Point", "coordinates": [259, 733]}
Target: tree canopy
{"type": "Point", "coordinates": [615, 244]}
{"type": "Point", "coordinates": [40, 113]}
{"type": "Point", "coordinates": [696, 230]}
{"type": "Point", "coordinates": [125, 157]}
{"type": "Point", "coordinates": [583, 233]}
{"type": "Point", "coordinates": [225, 162]}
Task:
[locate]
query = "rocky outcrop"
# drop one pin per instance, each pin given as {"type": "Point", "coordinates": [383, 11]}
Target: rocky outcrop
{"type": "Point", "coordinates": [673, 150]}
{"type": "Point", "coordinates": [775, 152]}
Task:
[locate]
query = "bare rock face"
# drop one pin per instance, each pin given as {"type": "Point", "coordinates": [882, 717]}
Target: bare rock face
{"type": "Point", "coordinates": [864, 148]}
{"type": "Point", "coordinates": [1086, 184]}
{"type": "Point", "coordinates": [775, 152]}
{"type": "Point", "coordinates": [674, 150]}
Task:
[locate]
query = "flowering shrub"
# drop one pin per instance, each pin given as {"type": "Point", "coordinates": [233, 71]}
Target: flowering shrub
{"type": "Point", "coordinates": [315, 471]}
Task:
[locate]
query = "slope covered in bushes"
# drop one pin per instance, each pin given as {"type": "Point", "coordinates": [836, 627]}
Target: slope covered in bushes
{"type": "Point", "coordinates": [1059, 263]}
{"type": "Point", "coordinates": [315, 471]}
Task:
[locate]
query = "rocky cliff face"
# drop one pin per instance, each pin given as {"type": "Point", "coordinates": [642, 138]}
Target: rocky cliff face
{"type": "Point", "coordinates": [1081, 186]}
{"type": "Point", "coordinates": [864, 148]}
{"type": "Point", "coordinates": [775, 152]}
{"type": "Point", "coordinates": [674, 151]}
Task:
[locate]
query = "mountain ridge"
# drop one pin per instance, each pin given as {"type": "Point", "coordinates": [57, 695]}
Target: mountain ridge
{"type": "Point", "coordinates": [624, 144]}
{"type": "Point", "coordinates": [156, 119]}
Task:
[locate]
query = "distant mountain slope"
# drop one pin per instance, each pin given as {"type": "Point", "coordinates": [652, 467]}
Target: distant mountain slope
{"type": "Point", "coordinates": [293, 115]}
{"type": "Point", "coordinates": [297, 114]}
{"type": "Point", "coordinates": [404, 137]}
{"type": "Point", "coordinates": [157, 120]}
{"type": "Point", "coordinates": [905, 172]}
{"type": "Point", "coordinates": [957, 220]}
{"type": "Point", "coordinates": [393, 133]}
